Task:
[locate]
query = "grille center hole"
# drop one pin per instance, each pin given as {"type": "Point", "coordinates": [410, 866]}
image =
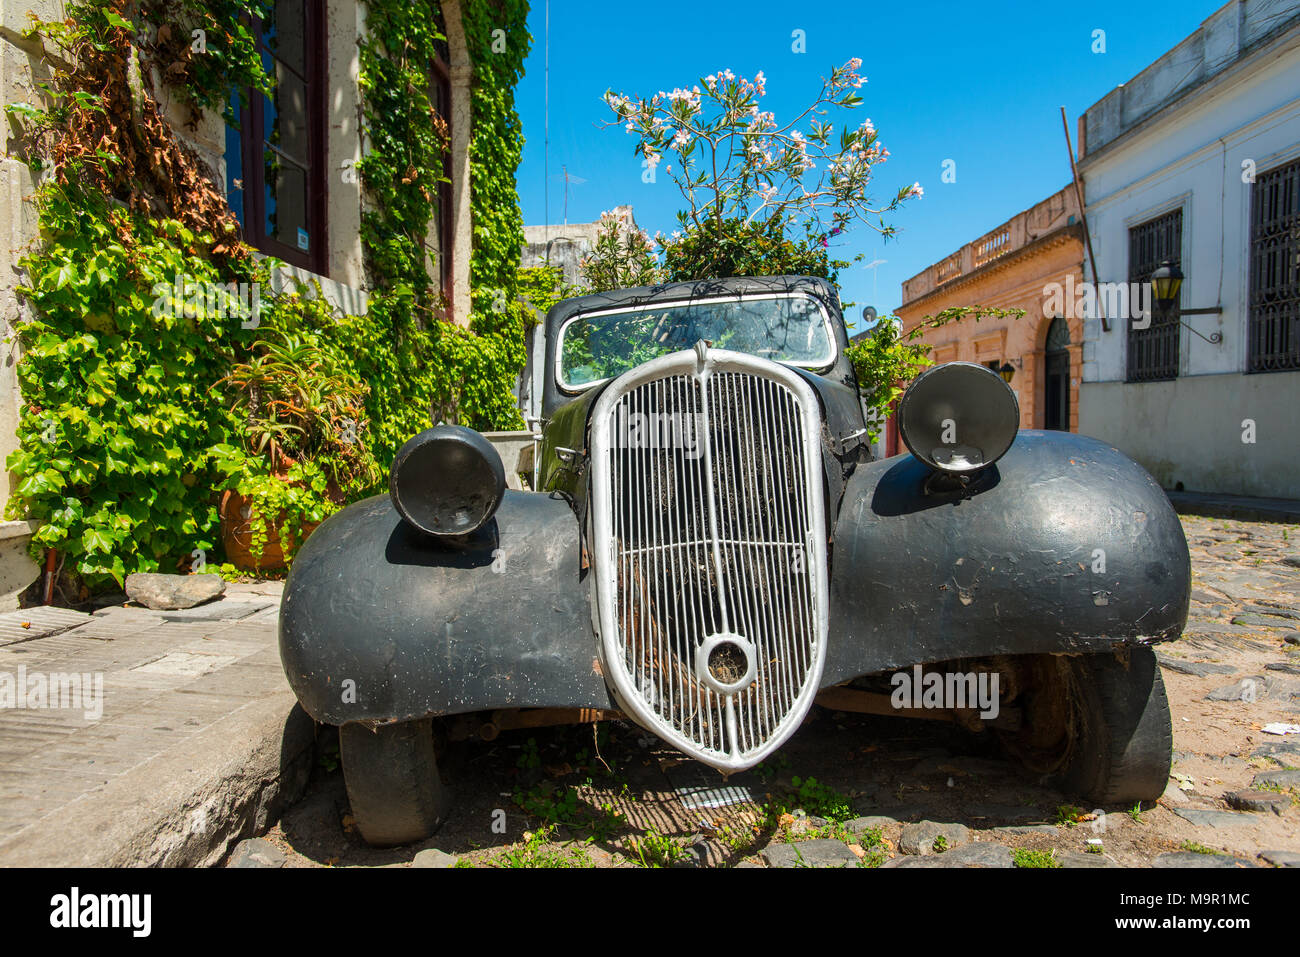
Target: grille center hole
{"type": "Point", "coordinates": [727, 662]}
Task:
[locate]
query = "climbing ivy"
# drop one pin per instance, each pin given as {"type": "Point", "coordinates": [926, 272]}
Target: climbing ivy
{"type": "Point", "coordinates": [441, 371]}
{"type": "Point", "coordinates": [128, 430]}
{"type": "Point", "coordinates": [119, 410]}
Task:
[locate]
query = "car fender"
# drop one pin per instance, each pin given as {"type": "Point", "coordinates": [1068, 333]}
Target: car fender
{"type": "Point", "coordinates": [381, 623]}
{"type": "Point", "coordinates": [1064, 545]}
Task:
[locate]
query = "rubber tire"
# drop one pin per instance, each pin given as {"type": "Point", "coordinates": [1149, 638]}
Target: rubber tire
{"type": "Point", "coordinates": [393, 783]}
{"type": "Point", "coordinates": [1123, 746]}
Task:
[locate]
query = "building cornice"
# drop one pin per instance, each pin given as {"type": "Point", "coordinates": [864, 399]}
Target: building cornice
{"type": "Point", "coordinates": [1282, 39]}
{"type": "Point", "coordinates": [1056, 237]}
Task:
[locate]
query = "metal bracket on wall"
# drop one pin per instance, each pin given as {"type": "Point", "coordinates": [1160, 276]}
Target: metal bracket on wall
{"type": "Point", "coordinates": [1213, 338]}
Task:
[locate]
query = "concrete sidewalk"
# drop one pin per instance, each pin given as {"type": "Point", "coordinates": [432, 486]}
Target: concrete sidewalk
{"type": "Point", "coordinates": [199, 744]}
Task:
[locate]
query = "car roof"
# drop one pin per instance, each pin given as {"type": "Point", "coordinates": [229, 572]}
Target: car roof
{"type": "Point", "coordinates": [820, 289]}
{"type": "Point", "coordinates": [695, 289]}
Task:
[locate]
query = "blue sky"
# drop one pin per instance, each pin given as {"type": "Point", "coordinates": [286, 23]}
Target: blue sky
{"type": "Point", "coordinates": [978, 83]}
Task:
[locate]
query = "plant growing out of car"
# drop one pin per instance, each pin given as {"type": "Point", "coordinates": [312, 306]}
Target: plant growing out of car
{"type": "Point", "coordinates": [742, 171]}
{"type": "Point", "coordinates": [887, 360]}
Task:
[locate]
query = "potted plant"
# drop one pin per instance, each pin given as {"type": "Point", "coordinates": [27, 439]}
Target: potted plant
{"type": "Point", "coordinates": [303, 413]}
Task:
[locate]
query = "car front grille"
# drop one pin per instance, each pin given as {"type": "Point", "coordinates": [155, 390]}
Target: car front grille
{"type": "Point", "coordinates": [710, 547]}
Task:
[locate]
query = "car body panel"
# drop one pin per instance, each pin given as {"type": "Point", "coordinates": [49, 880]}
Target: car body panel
{"type": "Point", "coordinates": [422, 628]}
{"type": "Point", "coordinates": [1010, 565]}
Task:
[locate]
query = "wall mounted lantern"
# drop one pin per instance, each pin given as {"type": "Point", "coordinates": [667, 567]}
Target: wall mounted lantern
{"type": "Point", "coordinates": [1166, 281]}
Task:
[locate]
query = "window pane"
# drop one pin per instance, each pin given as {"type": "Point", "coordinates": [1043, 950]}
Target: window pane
{"type": "Point", "coordinates": [235, 161]}
{"type": "Point", "coordinates": [286, 34]}
{"type": "Point", "coordinates": [1153, 352]}
{"type": "Point", "coordinates": [284, 120]}
{"type": "Point", "coordinates": [286, 202]}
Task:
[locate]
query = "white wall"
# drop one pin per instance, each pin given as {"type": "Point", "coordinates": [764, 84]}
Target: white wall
{"type": "Point", "coordinates": [1192, 158]}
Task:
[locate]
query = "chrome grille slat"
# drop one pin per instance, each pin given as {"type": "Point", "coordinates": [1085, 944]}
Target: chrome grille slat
{"type": "Point", "coordinates": [702, 541]}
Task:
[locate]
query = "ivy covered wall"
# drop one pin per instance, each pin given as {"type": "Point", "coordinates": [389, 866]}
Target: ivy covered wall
{"type": "Point", "coordinates": [130, 428]}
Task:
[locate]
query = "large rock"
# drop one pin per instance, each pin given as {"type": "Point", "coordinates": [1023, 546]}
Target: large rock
{"type": "Point", "coordinates": [1193, 859]}
{"type": "Point", "coordinates": [1248, 689]}
{"type": "Point", "coordinates": [1283, 778]}
{"type": "Point", "coordinates": [173, 592]}
{"type": "Point", "coordinates": [919, 838]}
{"type": "Point", "coordinates": [1258, 801]}
{"type": "Point", "coordinates": [869, 822]}
{"type": "Point", "coordinates": [1281, 858]}
{"type": "Point", "coordinates": [1198, 669]}
{"type": "Point", "coordinates": [257, 852]}
{"type": "Point", "coordinates": [1084, 859]}
{"type": "Point", "coordinates": [823, 852]}
{"type": "Point", "coordinates": [432, 857]}
{"type": "Point", "coordinates": [985, 854]}
{"type": "Point", "coordinates": [1203, 817]}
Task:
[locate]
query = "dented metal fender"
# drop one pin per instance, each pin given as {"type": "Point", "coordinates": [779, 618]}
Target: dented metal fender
{"type": "Point", "coordinates": [1065, 545]}
{"type": "Point", "coordinates": [380, 623]}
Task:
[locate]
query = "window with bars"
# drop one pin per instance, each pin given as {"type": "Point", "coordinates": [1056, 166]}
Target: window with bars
{"type": "Point", "coordinates": [1274, 334]}
{"type": "Point", "coordinates": [1153, 352]}
{"type": "Point", "coordinates": [275, 156]}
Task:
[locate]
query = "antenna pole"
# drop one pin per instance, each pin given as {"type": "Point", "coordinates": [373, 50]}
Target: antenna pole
{"type": "Point", "coordinates": [546, 129]}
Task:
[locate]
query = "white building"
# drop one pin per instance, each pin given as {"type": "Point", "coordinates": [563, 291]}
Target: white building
{"type": "Point", "coordinates": [1196, 160]}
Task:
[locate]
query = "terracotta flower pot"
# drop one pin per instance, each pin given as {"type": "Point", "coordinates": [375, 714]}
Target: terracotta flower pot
{"type": "Point", "coordinates": [237, 525]}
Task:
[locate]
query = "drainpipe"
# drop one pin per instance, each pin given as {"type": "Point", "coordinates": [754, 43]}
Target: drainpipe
{"type": "Point", "coordinates": [51, 572]}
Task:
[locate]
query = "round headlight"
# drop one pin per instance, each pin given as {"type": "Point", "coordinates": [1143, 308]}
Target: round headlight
{"type": "Point", "coordinates": [958, 417]}
{"type": "Point", "coordinates": [447, 480]}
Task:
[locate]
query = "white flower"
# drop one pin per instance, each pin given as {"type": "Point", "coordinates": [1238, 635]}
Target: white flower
{"type": "Point", "coordinates": [916, 190]}
{"type": "Point", "coordinates": [760, 83]}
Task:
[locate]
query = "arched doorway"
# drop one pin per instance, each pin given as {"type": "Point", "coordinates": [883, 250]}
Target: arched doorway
{"type": "Point", "coordinates": [1056, 377]}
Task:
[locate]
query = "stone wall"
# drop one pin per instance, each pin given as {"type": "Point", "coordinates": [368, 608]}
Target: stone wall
{"type": "Point", "coordinates": [20, 71]}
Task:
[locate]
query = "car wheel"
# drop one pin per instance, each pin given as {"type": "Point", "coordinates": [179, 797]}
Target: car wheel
{"type": "Point", "coordinates": [1096, 726]}
{"type": "Point", "coordinates": [392, 779]}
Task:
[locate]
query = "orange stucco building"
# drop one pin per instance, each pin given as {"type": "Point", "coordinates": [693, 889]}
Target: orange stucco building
{"type": "Point", "coordinates": [1013, 266]}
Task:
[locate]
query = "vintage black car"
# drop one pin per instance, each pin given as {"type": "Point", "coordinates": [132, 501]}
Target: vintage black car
{"type": "Point", "coordinates": [712, 547]}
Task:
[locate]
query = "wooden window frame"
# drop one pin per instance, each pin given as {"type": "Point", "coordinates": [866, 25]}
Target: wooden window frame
{"type": "Point", "coordinates": [252, 115]}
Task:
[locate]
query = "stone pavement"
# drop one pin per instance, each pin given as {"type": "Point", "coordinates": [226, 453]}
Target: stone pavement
{"type": "Point", "coordinates": [177, 737]}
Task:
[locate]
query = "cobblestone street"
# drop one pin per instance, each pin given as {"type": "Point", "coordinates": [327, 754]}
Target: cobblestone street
{"type": "Point", "coordinates": [910, 786]}
{"type": "Point", "coordinates": [186, 694]}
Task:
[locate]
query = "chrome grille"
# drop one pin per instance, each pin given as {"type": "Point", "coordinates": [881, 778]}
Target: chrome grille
{"type": "Point", "coordinates": [710, 550]}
